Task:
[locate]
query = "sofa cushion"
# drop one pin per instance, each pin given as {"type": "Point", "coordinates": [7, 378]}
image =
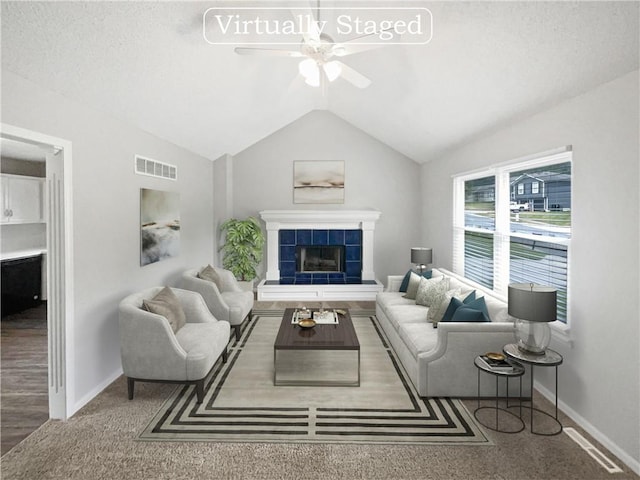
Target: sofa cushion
{"type": "Point", "coordinates": [418, 337]}
{"type": "Point", "coordinates": [405, 280]}
{"type": "Point", "coordinates": [202, 343]}
{"type": "Point", "coordinates": [166, 304]}
{"type": "Point", "coordinates": [429, 291]}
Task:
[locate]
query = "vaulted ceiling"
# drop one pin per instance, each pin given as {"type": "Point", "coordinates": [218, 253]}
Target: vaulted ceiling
{"type": "Point", "coordinates": [488, 63]}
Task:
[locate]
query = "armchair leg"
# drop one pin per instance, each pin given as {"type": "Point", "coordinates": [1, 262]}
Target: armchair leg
{"type": "Point", "coordinates": [225, 355]}
{"type": "Point", "coordinates": [200, 391]}
{"type": "Point", "coordinates": [130, 382]}
{"type": "Point", "coordinates": [238, 332]}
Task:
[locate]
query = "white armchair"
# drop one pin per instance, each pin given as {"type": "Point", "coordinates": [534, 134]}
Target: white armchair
{"type": "Point", "coordinates": [152, 352]}
{"type": "Point", "coordinates": [230, 303]}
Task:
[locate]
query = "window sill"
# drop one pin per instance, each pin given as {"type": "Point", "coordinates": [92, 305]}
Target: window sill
{"type": "Point", "coordinates": [561, 333]}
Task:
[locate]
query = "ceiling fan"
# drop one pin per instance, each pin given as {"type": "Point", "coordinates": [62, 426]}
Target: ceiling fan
{"type": "Point", "coordinates": [320, 55]}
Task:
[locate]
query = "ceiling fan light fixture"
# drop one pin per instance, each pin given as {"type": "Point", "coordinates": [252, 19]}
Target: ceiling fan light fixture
{"type": "Point", "coordinates": [309, 70]}
{"type": "Point", "coordinates": [332, 70]}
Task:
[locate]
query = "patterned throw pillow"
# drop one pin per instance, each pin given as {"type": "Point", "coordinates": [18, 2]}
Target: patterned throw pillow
{"type": "Point", "coordinates": [166, 303]}
{"type": "Point", "coordinates": [429, 289]}
{"type": "Point", "coordinates": [440, 304]}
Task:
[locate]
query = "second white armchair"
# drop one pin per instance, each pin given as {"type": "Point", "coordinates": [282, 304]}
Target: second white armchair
{"type": "Point", "coordinates": [225, 298]}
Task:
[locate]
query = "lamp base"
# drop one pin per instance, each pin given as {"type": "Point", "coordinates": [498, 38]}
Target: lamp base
{"type": "Point", "coordinates": [532, 337]}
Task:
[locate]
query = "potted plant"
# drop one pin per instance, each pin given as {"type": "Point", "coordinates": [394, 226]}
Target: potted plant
{"type": "Point", "coordinates": [242, 250]}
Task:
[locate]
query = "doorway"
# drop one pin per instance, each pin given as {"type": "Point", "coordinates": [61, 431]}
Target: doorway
{"type": "Point", "coordinates": [59, 265]}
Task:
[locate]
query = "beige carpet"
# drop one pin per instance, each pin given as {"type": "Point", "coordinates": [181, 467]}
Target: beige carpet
{"type": "Point", "coordinates": [100, 442]}
{"type": "Point", "coordinates": [241, 403]}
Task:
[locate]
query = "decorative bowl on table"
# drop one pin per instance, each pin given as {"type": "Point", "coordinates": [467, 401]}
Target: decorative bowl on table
{"type": "Point", "coordinates": [495, 356]}
{"type": "Point", "coordinates": [307, 323]}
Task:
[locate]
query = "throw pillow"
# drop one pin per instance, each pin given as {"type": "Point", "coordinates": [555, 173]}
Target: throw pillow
{"type": "Point", "coordinates": [412, 288]}
{"type": "Point", "coordinates": [475, 311]}
{"type": "Point", "coordinates": [209, 273]}
{"type": "Point", "coordinates": [166, 303]}
{"type": "Point", "coordinates": [405, 280]}
{"type": "Point", "coordinates": [456, 303]}
{"type": "Point", "coordinates": [428, 290]}
{"type": "Point", "coordinates": [440, 303]}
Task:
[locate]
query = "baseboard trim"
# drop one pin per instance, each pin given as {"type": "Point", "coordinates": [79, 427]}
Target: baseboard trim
{"type": "Point", "coordinates": [623, 456]}
{"type": "Point", "coordinates": [93, 393]}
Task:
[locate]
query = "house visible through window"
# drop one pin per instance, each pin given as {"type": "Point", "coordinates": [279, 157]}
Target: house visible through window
{"type": "Point", "coordinates": [513, 224]}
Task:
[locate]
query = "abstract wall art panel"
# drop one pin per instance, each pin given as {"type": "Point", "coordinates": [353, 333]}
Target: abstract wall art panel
{"type": "Point", "coordinates": [318, 181]}
{"type": "Point", "coordinates": [159, 225]}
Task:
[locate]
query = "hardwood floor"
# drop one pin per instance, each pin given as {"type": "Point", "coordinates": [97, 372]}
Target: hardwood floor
{"type": "Point", "coordinates": [24, 396]}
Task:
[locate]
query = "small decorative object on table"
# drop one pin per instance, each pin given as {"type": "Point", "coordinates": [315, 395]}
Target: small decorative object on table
{"type": "Point", "coordinates": [496, 361]}
{"type": "Point", "coordinates": [307, 323]}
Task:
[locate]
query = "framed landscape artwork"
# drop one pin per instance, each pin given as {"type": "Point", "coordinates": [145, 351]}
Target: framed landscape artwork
{"type": "Point", "coordinates": [159, 225]}
{"type": "Point", "coordinates": [318, 181]}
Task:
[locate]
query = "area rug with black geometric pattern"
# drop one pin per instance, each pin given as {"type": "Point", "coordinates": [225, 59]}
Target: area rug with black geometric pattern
{"type": "Point", "coordinates": [242, 404]}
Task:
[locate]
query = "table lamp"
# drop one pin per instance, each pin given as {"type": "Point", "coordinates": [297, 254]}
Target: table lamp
{"type": "Point", "coordinates": [533, 306]}
{"type": "Point", "coordinates": [421, 257]}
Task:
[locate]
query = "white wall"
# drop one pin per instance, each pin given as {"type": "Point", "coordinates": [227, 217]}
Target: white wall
{"type": "Point", "coordinates": [599, 379]}
{"type": "Point", "coordinates": [376, 177]}
{"type": "Point", "coordinates": [106, 217]}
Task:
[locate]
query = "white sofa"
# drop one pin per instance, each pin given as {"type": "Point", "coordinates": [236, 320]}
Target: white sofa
{"type": "Point", "coordinates": [439, 361]}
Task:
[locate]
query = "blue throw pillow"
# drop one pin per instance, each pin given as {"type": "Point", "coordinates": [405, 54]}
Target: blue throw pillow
{"type": "Point", "coordinates": [454, 304]}
{"type": "Point", "coordinates": [468, 310]}
{"type": "Point", "coordinates": [405, 280]}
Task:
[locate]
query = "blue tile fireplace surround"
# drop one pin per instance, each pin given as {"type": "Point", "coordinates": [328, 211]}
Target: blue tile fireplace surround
{"type": "Point", "coordinates": [349, 241]}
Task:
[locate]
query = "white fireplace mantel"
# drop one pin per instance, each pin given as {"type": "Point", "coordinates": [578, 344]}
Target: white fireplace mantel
{"type": "Point", "coordinates": [277, 220]}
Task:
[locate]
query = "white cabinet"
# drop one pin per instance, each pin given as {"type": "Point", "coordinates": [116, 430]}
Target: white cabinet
{"type": "Point", "coordinates": [22, 199]}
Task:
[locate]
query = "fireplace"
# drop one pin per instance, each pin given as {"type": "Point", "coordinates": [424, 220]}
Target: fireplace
{"type": "Point", "coordinates": [329, 258]}
{"type": "Point", "coordinates": [337, 262]}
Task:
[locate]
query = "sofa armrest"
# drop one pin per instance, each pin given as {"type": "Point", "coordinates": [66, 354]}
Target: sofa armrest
{"type": "Point", "coordinates": [393, 283]}
{"type": "Point", "coordinates": [473, 338]}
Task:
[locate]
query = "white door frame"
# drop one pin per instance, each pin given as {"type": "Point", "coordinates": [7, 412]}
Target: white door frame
{"type": "Point", "coordinates": [60, 319]}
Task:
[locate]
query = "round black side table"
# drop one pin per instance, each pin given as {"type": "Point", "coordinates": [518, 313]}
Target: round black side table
{"type": "Point", "coordinates": [517, 371]}
{"type": "Point", "coordinates": [550, 358]}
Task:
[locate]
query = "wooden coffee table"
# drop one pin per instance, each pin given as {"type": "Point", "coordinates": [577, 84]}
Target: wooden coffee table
{"type": "Point", "coordinates": [302, 352]}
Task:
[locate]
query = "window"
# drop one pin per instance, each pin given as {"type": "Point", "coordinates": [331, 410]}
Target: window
{"type": "Point", "coordinates": [496, 243]}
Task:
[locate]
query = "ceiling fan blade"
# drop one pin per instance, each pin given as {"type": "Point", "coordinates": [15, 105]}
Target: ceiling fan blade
{"type": "Point", "coordinates": [270, 52]}
{"type": "Point", "coordinates": [370, 41]}
{"type": "Point", "coordinates": [305, 15]}
{"type": "Point", "coordinates": [353, 76]}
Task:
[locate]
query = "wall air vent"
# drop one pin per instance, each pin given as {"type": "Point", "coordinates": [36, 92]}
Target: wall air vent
{"type": "Point", "coordinates": [153, 168]}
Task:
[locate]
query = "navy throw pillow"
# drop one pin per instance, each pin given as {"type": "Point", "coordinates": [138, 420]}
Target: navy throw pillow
{"type": "Point", "coordinates": [472, 311]}
{"type": "Point", "coordinates": [454, 304]}
{"type": "Point", "coordinates": [405, 280]}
